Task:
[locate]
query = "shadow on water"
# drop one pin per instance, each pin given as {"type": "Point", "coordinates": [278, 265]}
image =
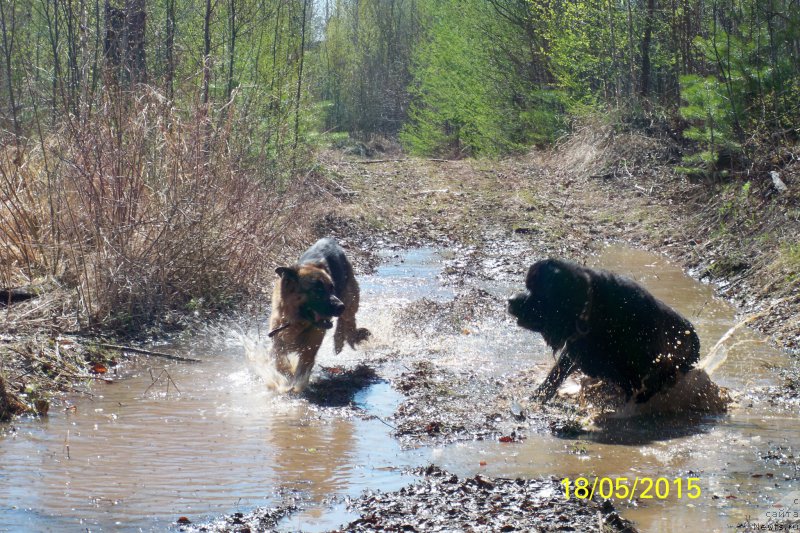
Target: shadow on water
{"type": "Point", "coordinates": [642, 430]}
{"type": "Point", "coordinates": [338, 387]}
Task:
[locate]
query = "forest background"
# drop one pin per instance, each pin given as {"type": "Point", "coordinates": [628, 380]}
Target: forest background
{"type": "Point", "coordinates": [155, 153]}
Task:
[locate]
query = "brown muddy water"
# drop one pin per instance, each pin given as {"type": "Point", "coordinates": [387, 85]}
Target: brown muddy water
{"type": "Point", "coordinates": [142, 453]}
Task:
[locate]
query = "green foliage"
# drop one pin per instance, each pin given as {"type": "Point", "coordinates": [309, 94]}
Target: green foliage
{"type": "Point", "coordinates": [543, 119]}
{"type": "Point", "coordinates": [755, 83]}
{"type": "Point", "coordinates": [362, 65]}
{"type": "Point", "coordinates": [463, 101]}
{"type": "Point", "coordinates": [581, 36]}
{"type": "Point", "coordinates": [456, 76]}
{"type": "Point", "coordinates": [452, 110]}
{"type": "Point", "coordinates": [708, 110]}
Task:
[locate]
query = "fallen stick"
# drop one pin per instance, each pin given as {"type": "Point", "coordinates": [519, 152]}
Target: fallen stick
{"type": "Point", "coordinates": [149, 352]}
{"type": "Point", "coordinates": [372, 161]}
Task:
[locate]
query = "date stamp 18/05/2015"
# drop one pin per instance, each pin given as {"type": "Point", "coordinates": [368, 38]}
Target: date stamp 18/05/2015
{"type": "Point", "coordinates": [624, 488]}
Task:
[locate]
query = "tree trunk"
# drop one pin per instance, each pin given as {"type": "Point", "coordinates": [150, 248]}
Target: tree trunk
{"type": "Point", "coordinates": [232, 49]}
{"type": "Point", "coordinates": [124, 46]}
{"type": "Point", "coordinates": [8, 25]}
{"type": "Point", "coordinates": [644, 84]}
{"type": "Point", "coordinates": [169, 34]}
{"type": "Point", "coordinates": [135, 20]}
{"type": "Point", "coordinates": [207, 53]}
{"type": "Point", "coordinates": [300, 75]}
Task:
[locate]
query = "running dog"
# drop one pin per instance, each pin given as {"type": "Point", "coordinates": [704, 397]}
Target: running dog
{"type": "Point", "coordinates": [606, 326]}
{"type": "Point", "coordinates": [307, 296]}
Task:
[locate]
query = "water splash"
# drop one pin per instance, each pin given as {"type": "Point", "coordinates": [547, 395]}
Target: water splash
{"type": "Point", "coordinates": [694, 392]}
{"type": "Point", "coordinates": [719, 353]}
{"type": "Point", "coordinates": [260, 356]}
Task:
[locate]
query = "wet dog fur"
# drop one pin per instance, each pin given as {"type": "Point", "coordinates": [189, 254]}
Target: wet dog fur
{"type": "Point", "coordinates": [306, 297]}
{"type": "Point", "coordinates": [606, 326]}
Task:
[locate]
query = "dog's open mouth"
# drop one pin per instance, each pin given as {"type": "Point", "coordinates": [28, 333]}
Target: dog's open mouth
{"type": "Point", "coordinates": [322, 322]}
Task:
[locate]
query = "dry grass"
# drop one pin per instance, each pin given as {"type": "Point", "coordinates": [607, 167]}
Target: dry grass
{"type": "Point", "coordinates": [597, 150]}
{"type": "Point", "coordinates": [140, 209]}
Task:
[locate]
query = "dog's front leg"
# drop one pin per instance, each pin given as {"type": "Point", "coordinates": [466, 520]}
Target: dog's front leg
{"type": "Point", "coordinates": [555, 378]}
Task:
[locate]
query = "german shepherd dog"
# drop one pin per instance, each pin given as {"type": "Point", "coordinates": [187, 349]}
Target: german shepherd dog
{"type": "Point", "coordinates": [606, 326]}
{"type": "Point", "coordinates": [307, 296]}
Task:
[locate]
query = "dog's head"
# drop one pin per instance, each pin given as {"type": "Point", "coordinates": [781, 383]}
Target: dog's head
{"type": "Point", "coordinates": [555, 301]}
{"type": "Point", "coordinates": [307, 292]}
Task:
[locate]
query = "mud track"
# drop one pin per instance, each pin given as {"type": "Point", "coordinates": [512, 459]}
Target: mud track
{"type": "Point", "coordinates": [494, 219]}
{"type": "Point", "coordinates": [490, 220]}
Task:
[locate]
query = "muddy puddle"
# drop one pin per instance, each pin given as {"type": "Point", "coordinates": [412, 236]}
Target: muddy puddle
{"type": "Point", "coordinates": [727, 453]}
{"type": "Point", "coordinates": [208, 438]}
{"type": "Point", "coordinates": [140, 455]}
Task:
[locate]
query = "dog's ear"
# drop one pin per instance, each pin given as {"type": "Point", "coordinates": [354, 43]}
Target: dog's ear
{"type": "Point", "coordinates": [569, 284]}
{"type": "Point", "coordinates": [539, 272]}
{"type": "Point", "coordinates": [289, 273]}
{"type": "Point", "coordinates": [562, 290]}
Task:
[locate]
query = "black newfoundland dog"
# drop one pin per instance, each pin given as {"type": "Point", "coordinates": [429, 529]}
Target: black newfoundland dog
{"type": "Point", "coordinates": [606, 326]}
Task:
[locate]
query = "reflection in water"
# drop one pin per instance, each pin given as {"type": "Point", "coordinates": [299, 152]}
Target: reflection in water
{"type": "Point", "coordinates": [141, 461]}
{"type": "Point", "coordinates": [310, 455]}
{"type": "Point", "coordinates": [138, 458]}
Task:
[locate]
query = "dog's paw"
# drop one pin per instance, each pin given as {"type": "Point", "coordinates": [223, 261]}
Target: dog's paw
{"type": "Point", "coordinates": [358, 336]}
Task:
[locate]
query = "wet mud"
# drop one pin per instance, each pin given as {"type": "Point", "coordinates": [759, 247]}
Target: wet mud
{"type": "Point", "coordinates": [441, 501]}
{"type": "Point", "coordinates": [446, 380]}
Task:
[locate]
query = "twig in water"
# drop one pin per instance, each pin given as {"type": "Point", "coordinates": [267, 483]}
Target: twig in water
{"type": "Point", "coordinates": [153, 381]}
{"type": "Point", "coordinates": [701, 309]}
{"type": "Point", "coordinates": [149, 352]}
{"type": "Point", "coordinates": [381, 420]}
{"type": "Point", "coordinates": [158, 378]}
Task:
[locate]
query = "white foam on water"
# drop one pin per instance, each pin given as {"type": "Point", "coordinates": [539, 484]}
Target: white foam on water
{"type": "Point", "coordinates": [262, 361]}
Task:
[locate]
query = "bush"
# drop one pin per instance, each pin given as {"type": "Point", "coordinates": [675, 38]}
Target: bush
{"type": "Point", "coordinates": [139, 210]}
{"type": "Point", "coordinates": [709, 112]}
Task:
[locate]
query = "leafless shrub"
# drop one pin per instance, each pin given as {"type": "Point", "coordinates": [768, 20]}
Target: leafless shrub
{"type": "Point", "coordinates": [141, 208]}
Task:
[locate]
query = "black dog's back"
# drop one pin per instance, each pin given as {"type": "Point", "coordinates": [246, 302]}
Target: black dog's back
{"type": "Point", "coordinates": [608, 326]}
{"type": "Point", "coordinates": [331, 256]}
{"type": "Point", "coordinates": [329, 252]}
{"type": "Point", "coordinates": [635, 339]}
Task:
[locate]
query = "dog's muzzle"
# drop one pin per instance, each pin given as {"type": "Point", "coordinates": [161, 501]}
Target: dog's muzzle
{"type": "Point", "coordinates": [337, 307]}
{"type": "Point", "coordinates": [516, 304]}
{"type": "Point", "coordinates": [322, 321]}
{"type": "Point", "coordinates": [521, 307]}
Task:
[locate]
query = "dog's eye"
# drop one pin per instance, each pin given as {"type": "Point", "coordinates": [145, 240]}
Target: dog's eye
{"type": "Point", "coordinates": [319, 288]}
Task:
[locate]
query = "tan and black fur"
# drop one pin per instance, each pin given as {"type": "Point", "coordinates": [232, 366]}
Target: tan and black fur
{"type": "Point", "coordinates": [307, 296]}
